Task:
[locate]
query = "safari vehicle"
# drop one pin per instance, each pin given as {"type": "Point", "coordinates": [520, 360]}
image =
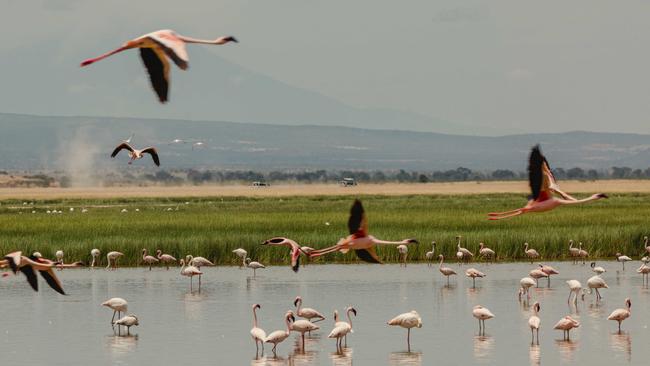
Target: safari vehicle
{"type": "Point", "coordinates": [260, 184]}
{"type": "Point", "coordinates": [348, 182]}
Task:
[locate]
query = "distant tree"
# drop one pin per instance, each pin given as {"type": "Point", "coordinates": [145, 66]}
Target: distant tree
{"type": "Point", "coordinates": [65, 182]}
{"type": "Point", "coordinates": [592, 174]}
{"type": "Point", "coordinates": [423, 178]}
{"type": "Point", "coordinates": [403, 176]}
{"type": "Point", "coordinates": [621, 172]}
{"type": "Point", "coordinates": [575, 173]}
{"type": "Point", "coordinates": [503, 174]}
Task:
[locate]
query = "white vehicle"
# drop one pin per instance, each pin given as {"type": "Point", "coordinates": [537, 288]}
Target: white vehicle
{"type": "Point", "coordinates": [260, 184]}
{"type": "Point", "coordinates": [348, 182]}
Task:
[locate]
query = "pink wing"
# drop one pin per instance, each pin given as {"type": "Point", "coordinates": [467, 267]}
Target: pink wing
{"type": "Point", "coordinates": [172, 45]}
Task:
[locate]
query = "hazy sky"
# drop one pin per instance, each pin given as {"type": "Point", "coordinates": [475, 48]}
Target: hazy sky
{"type": "Point", "coordinates": [531, 65]}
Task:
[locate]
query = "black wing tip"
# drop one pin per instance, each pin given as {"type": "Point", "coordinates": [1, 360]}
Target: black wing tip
{"type": "Point", "coordinates": [365, 256]}
{"type": "Point", "coordinates": [297, 266]}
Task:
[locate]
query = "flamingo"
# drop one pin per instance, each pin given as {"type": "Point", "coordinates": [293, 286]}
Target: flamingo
{"type": "Point", "coordinates": [582, 253]}
{"type": "Point", "coordinates": [403, 252]}
{"type": "Point", "coordinates": [644, 270]}
{"type": "Point", "coordinates": [295, 249]}
{"type": "Point", "coordinates": [241, 253]}
{"type": "Point", "coordinates": [473, 273]}
{"type": "Point", "coordinates": [534, 322]}
{"type": "Point", "coordinates": [190, 271]}
{"type": "Point", "coordinates": [347, 313]}
{"type": "Point", "coordinates": [258, 334]}
{"type": "Point", "coordinates": [594, 283]}
{"type": "Point", "coordinates": [59, 258]}
{"type": "Point", "coordinates": [549, 271]}
{"type": "Point", "coordinates": [303, 326]}
{"type": "Point", "coordinates": [537, 274]}
{"type": "Point", "coordinates": [127, 321]}
{"type": "Point", "coordinates": [253, 265]}
{"type": "Point", "coordinates": [446, 271]}
{"type": "Point", "coordinates": [530, 253]}
{"type": "Point", "coordinates": [95, 253]}
{"type": "Point", "coordinates": [645, 259]}
{"type": "Point", "coordinates": [429, 255]}
{"type": "Point", "coordinates": [526, 283]}
{"type": "Point", "coordinates": [198, 262]}
{"type": "Point", "coordinates": [573, 252]}
{"type": "Point", "coordinates": [112, 258]}
{"type": "Point", "coordinates": [148, 259]}
{"type": "Point", "coordinates": [341, 328]}
{"type": "Point", "coordinates": [566, 324]}
{"type": "Point", "coordinates": [574, 289]}
{"type": "Point", "coordinates": [621, 314]}
{"type": "Point", "coordinates": [465, 254]}
{"type": "Point", "coordinates": [307, 313]}
{"type": "Point", "coordinates": [646, 245]}
{"type": "Point", "coordinates": [407, 320]}
{"type": "Point", "coordinates": [135, 154]}
{"type": "Point", "coordinates": [165, 258]}
{"type": "Point", "coordinates": [359, 239]}
{"type": "Point", "coordinates": [27, 265]}
{"type": "Point", "coordinates": [481, 313]}
{"type": "Point", "coordinates": [155, 48]}
{"type": "Point", "coordinates": [485, 251]}
{"type": "Point", "coordinates": [598, 270]}
{"type": "Point", "coordinates": [118, 305]}
{"type": "Point", "coordinates": [622, 258]}
{"type": "Point", "coordinates": [279, 336]}
{"type": "Point", "coordinates": [543, 186]}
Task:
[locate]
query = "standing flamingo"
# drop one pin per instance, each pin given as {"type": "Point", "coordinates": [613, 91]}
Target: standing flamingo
{"type": "Point", "coordinates": [526, 283]}
{"type": "Point", "coordinates": [486, 252]}
{"type": "Point", "coordinates": [566, 324]}
{"type": "Point", "coordinates": [621, 314]}
{"type": "Point", "coordinates": [543, 186]}
{"type": "Point", "coordinates": [407, 320]}
{"type": "Point", "coordinates": [359, 240]}
{"type": "Point", "coordinates": [165, 258]}
{"type": "Point", "coordinates": [473, 273]}
{"type": "Point", "coordinates": [95, 253]}
{"type": "Point", "coordinates": [534, 322]}
{"type": "Point", "coordinates": [295, 249]}
{"type": "Point", "coordinates": [112, 258]}
{"type": "Point", "coordinates": [446, 271]}
{"type": "Point", "coordinates": [583, 254]}
{"type": "Point", "coordinates": [644, 270]}
{"type": "Point", "coordinates": [258, 334]}
{"type": "Point", "coordinates": [148, 259]}
{"type": "Point", "coordinates": [198, 262]}
{"type": "Point", "coordinates": [549, 271]}
{"type": "Point", "coordinates": [254, 265]}
{"type": "Point", "coordinates": [190, 271]}
{"type": "Point", "coordinates": [537, 274]}
{"type": "Point", "coordinates": [530, 253]}
{"type": "Point", "coordinates": [303, 326]}
{"type": "Point", "coordinates": [429, 255]}
{"type": "Point", "coordinates": [403, 252]}
{"type": "Point", "coordinates": [482, 314]}
{"type": "Point", "coordinates": [307, 313]}
{"type": "Point", "coordinates": [574, 289]}
{"type": "Point", "coordinates": [646, 245]}
{"type": "Point", "coordinates": [155, 48]}
{"type": "Point", "coordinates": [127, 321]}
{"type": "Point", "coordinates": [241, 253]}
{"type": "Point", "coordinates": [573, 252]}
{"type": "Point", "coordinates": [279, 336]}
{"type": "Point", "coordinates": [598, 270]}
{"type": "Point", "coordinates": [59, 258]}
{"type": "Point", "coordinates": [465, 254]}
{"type": "Point", "coordinates": [118, 305]}
{"type": "Point", "coordinates": [341, 328]}
{"type": "Point", "coordinates": [622, 258]}
{"type": "Point", "coordinates": [594, 283]}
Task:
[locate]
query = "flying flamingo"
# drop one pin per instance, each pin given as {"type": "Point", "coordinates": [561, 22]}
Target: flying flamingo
{"type": "Point", "coordinates": [429, 255]}
{"type": "Point", "coordinates": [241, 253]}
{"type": "Point", "coordinates": [279, 336]}
{"type": "Point", "coordinates": [403, 252]}
{"type": "Point", "coordinates": [621, 314]}
{"type": "Point", "coordinates": [118, 305]}
{"type": "Point", "coordinates": [573, 252]}
{"type": "Point", "coordinates": [594, 283]}
{"type": "Point", "coordinates": [407, 320]}
{"type": "Point", "coordinates": [598, 270]}
{"type": "Point", "coordinates": [165, 258]}
{"type": "Point", "coordinates": [135, 154]}
{"type": "Point", "coordinates": [307, 313]}
{"type": "Point", "coordinates": [622, 258]}
{"type": "Point", "coordinates": [27, 265]}
{"type": "Point", "coordinates": [485, 252]}
{"type": "Point", "coordinates": [303, 326]}
{"type": "Point", "coordinates": [295, 249]}
{"type": "Point", "coordinates": [530, 253]}
{"type": "Point", "coordinates": [566, 324]}
{"type": "Point", "coordinates": [446, 271]}
{"type": "Point", "coordinates": [543, 186]}
{"type": "Point", "coordinates": [359, 239]}
{"type": "Point", "coordinates": [644, 270]}
{"type": "Point", "coordinates": [148, 259]}
{"type": "Point", "coordinates": [155, 48]}
{"type": "Point", "coordinates": [574, 289]}
{"type": "Point", "coordinates": [549, 271]}
{"type": "Point", "coordinates": [190, 271]}
{"type": "Point", "coordinates": [466, 255]}
{"type": "Point", "coordinates": [582, 253]}
{"type": "Point", "coordinates": [95, 253]}
{"type": "Point", "coordinates": [258, 334]}
{"type": "Point", "coordinates": [127, 321]}
{"type": "Point", "coordinates": [534, 322]}
{"type": "Point", "coordinates": [341, 328]}
{"type": "Point", "coordinates": [112, 258]}
{"type": "Point", "coordinates": [473, 273]}
{"type": "Point", "coordinates": [253, 265]}
{"type": "Point", "coordinates": [537, 274]}
{"type": "Point", "coordinates": [481, 313]}
{"type": "Point", "coordinates": [526, 283]}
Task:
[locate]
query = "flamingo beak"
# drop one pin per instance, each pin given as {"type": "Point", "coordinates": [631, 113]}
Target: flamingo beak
{"type": "Point", "coordinates": [354, 311]}
{"type": "Point", "coordinates": [295, 302]}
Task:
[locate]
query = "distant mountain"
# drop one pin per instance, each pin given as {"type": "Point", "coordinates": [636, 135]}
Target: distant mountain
{"type": "Point", "coordinates": [83, 143]}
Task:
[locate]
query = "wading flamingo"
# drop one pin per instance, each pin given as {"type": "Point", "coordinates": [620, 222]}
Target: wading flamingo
{"type": "Point", "coordinates": [59, 258]}
{"type": "Point", "coordinates": [473, 273]}
{"type": "Point", "coordinates": [293, 246]}
{"type": "Point", "coordinates": [530, 253]}
{"type": "Point", "coordinates": [407, 320]}
{"type": "Point", "coordinates": [135, 154]}
{"type": "Point", "coordinates": [112, 258]}
{"type": "Point", "coordinates": [646, 245]}
{"type": "Point", "coordinates": [303, 326]}
{"type": "Point", "coordinates": [341, 328]}
{"type": "Point", "coordinates": [190, 271]}
{"type": "Point", "coordinates": [537, 274]}
{"type": "Point", "coordinates": [155, 48]}
{"type": "Point", "coordinates": [95, 253]}
{"type": "Point", "coordinates": [573, 252]}
{"type": "Point", "coordinates": [347, 313]}
{"type": "Point", "coordinates": [403, 252]}
{"type": "Point", "coordinates": [534, 322]}
{"type": "Point", "coordinates": [253, 265]}
{"type": "Point", "coordinates": [27, 265]}
{"type": "Point", "coordinates": [486, 252]}
{"type": "Point", "coordinates": [359, 240]}
{"type": "Point", "coordinates": [148, 259]}
{"type": "Point", "coordinates": [598, 270]}
{"type": "Point", "coordinates": [118, 305]}
{"type": "Point", "coordinates": [565, 325]}
{"type": "Point", "coordinates": [574, 289]}
{"type": "Point", "coordinates": [258, 334]}
{"type": "Point", "coordinates": [446, 271]}
{"type": "Point", "coordinates": [482, 314]}
{"type": "Point", "coordinates": [644, 270]}
{"type": "Point", "coordinates": [465, 254]}
{"type": "Point", "coordinates": [543, 186]}
{"type": "Point", "coordinates": [594, 283]}
{"type": "Point", "coordinates": [241, 253]}
{"type": "Point", "coordinates": [621, 314]}
{"type": "Point", "coordinates": [429, 255]}
{"type": "Point", "coordinates": [279, 336]}
{"type": "Point", "coordinates": [127, 321]}
{"type": "Point", "coordinates": [165, 258]}
{"type": "Point", "coordinates": [526, 283]}
{"type": "Point", "coordinates": [622, 258]}
{"type": "Point", "coordinates": [307, 313]}
{"type": "Point", "coordinates": [198, 262]}
{"type": "Point", "coordinates": [583, 254]}
{"type": "Point", "coordinates": [549, 271]}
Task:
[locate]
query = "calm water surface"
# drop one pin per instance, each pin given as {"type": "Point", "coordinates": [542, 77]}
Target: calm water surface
{"type": "Point", "coordinates": [212, 328]}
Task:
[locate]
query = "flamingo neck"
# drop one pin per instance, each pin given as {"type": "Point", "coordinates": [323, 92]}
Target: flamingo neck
{"type": "Point", "coordinates": [203, 41]}
{"type": "Point", "coordinates": [255, 317]}
{"type": "Point", "coordinates": [288, 323]}
{"type": "Point", "coordinates": [299, 305]}
{"type": "Point", "coordinates": [349, 318]}
{"type": "Point", "coordinates": [441, 259]}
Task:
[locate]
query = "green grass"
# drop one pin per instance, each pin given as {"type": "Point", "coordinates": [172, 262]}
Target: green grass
{"type": "Point", "coordinates": [213, 227]}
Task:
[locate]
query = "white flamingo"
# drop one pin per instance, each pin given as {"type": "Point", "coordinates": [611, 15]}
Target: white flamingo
{"type": "Point", "coordinates": [95, 253]}
{"type": "Point", "coordinates": [566, 324]}
{"type": "Point", "coordinates": [486, 252]}
{"type": "Point", "coordinates": [537, 274]}
{"type": "Point", "coordinates": [646, 245]}
{"type": "Point", "coordinates": [303, 326]}
{"type": "Point", "coordinates": [59, 258]}
{"type": "Point", "coordinates": [307, 313]}
{"type": "Point", "coordinates": [148, 259]}
{"type": "Point", "coordinates": [644, 270]}
{"type": "Point", "coordinates": [583, 254]}
{"type": "Point", "coordinates": [526, 283]}
{"type": "Point", "coordinates": [473, 273]}
{"type": "Point", "coordinates": [403, 252]}
{"type": "Point", "coordinates": [190, 271]}
{"type": "Point", "coordinates": [534, 322]}
{"type": "Point", "coordinates": [342, 328]}
{"type": "Point", "coordinates": [254, 265]}
{"type": "Point", "coordinates": [127, 321]}
{"type": "Point", "coordinates": [118, 305]}
{"type": "Point", "coordinates": [621, 314]}
{"type": "Point", "coordinates": [465, 254]}
{"type": "Point", "coordinates": [446, 271]}
{"type": "Point", "coordinates": [594, 283]}
{"type": "Point", "coordinates": [573, 252]}
{"type": "Point", "coordinates": [622, 258]}
{"type": "Point", "coordinates": [407, 320]}
{"type": "Point", "coordinates": [279, 336]}
{"type": "Point", "coordinates": [241, 253]}
{"type": "Point", "coordinates": [530, 253]}
{"type": "Point", "coordinates": [112, 258]}
{"type": "Point", "coordinates": [165, 258]}
{"type": "Point", "coordinates": [198, 262]}
{"type": "Point", "coordinates": [482, 314]}
{"type": "Point", "coordinates": [597, 269]}
{"type": "Point", "coordinates": [574, 289]}
{"type": "Point", "coordinates": [429, 255]}
{"type": "Point", "coordinates": [136, 154]}
{"type": "Point", "coordinates": [258, 334]}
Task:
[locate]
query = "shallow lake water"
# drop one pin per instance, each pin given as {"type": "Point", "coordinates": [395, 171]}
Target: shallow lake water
{"type": "Point", "coordinates": [212, 328]}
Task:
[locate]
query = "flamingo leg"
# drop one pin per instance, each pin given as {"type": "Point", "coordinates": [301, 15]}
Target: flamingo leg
{"type": "Point", "coordinates": [303, 342]}
{"type": "Point", "coordinates": [318, 253]}
{"type": "Point", "coordinates": [549, 281]}
{"type": "Point", "coordinates": [408, 339]}
{"type": "Point", "coordinates": [517, 213]}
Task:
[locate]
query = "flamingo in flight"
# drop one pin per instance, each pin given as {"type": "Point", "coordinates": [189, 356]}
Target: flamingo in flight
{"type": "Point", "coordinates": [543, 186]}
{"type": "Point", "coordinates": [135, 154]}
{"type": "Point", "coordinates": [295, 249]}
{"type": "Point", "coordinates": [27, 265]}
{"type": "Point", "coordinates": [155, 48]}
{"type": "Point", "coordinates": [359, 240]}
